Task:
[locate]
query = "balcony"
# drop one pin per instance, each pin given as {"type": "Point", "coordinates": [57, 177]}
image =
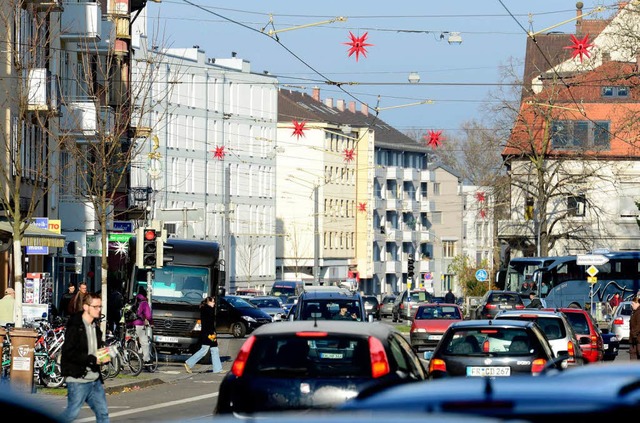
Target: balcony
{"type": "Point", "coordinates": [392, 266]}
{"type": "Point", "coordinates": [426, 176]}
{"type": "Point", "coordinates": [411, 174]}
{"type": "Point", "coordinates": [42, 90]}
{"type": "Point", "coordinates": [80, 120]}
{"type": "Point", "coordinates": [381, 171]}
{"type": "Point", "coordinates": [392, 204]}
{"type": "Point", "coordinates": [427, 206]}
{"type": "Point", "coordinates": [394, 172]}
{"type": "Point", "coordinates": [409, 235]}
{"type": "Point", "coordinates": [43, 5]}
{"type": "Point", "coordinates": [381, 204]}
{"type": "Point", "coordinates": [80, 21]}
{"type": "Point", "coordinates": [379, 267]}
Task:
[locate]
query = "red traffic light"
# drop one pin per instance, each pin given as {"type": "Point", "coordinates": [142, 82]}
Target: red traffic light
{"type": "Point", "coordinates": [149, 234]}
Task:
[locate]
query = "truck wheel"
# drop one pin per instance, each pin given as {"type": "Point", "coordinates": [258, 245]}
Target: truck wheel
{"type": "Point", "coordinates": [238, 330]}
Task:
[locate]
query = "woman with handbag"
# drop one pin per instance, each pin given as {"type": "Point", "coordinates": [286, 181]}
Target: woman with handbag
{"type": "Point", "coordinates": [208, 337]}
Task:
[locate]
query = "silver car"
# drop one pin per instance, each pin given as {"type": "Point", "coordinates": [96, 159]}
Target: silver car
{"type": "Point", "coordinates": [619, 324]}
{"type": "Point", "coordinates": [271, 305]}
{"type": "Point", "coordinates": [386, 305]}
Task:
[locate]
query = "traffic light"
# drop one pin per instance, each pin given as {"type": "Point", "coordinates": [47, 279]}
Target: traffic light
{"type": "Point", "coordinates": [410, 267]}
{"type": "Point", "coordinates": [149, 248]}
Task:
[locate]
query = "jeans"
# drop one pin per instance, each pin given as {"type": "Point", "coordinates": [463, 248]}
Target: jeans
{"type": "Point", "coordinates": [144, 343]}
{"type": "Point", "coordinates": [93, 394]}
{"type": "Point", "coordinates": [198, 355]}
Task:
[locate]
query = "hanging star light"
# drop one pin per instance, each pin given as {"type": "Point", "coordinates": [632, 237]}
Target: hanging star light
{"type": "Point", "coordinates": [298, 129]}
{"type": "Point", "coordinates": [349, 155]}
{"type": "Point", "coordinates": [580, 47]}
{"type": "Point", "coordinates": [480, 197]}
{"type": "Point", "coordinates": [358, 45]}
{"type": "Point", "coordinates": [218, 153]}
{"type": "Point", "coordinates": [433, 138]}
{"type": "Point", "coordinates": [362, 207]}
{"type": "Point", "coordinates": [483, 214]}
{"type": "Point", "coordinates": [121, 248]}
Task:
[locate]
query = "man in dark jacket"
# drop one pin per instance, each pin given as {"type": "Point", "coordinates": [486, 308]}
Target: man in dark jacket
{"type": "Point", "coordinates": [66, 299]}
{"type": "Point", "coordinates": [535, 301]}
{"type": "Point", "coordinates": [449, 298]}
{"type": "Point", "coordinates": [82, 355]}
{"type": "Point", "coordinates": [634, 330]}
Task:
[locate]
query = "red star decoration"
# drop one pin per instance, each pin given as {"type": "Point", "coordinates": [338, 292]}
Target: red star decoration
{"type": "Point", "coordinates": [480, 197]}
{"type": "Point", "coordinates": [433, 138]}
{"type": "Point", "coordinates": [218, 153]}
{"type": "Point", "coordinates": [349, 155]}
{"type": "Point", "coordinates": [358, 45]}
{"type": "Point", "coordinates": [483, 213]}
{"type": "Point", "coordinates": [362, 207]}
{"type": "Point", "coordinates": [298, 129]}
{"type": "Point", "coordinates": [580, 47]}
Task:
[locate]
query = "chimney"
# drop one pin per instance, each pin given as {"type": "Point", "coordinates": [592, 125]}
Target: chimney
{"type": "Point", "coordinates": [364, 109]}
{"type": "Point", "coordinates": [579, 6]}
{"type": "Point", "coordinates": [316, 93]}
{"type": "Point", "coordinates": [328, 102]}
{"type": "Point", "coordinates": [340, 104]}
{"type": "Point", "coordinates": [352, 106]}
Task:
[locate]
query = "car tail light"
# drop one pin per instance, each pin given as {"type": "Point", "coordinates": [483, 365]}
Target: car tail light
{"type": "Point", "coordinates": [571, 351]}
{"type": "Point", "coordinates": [437, 365]}
{"type": "Point", "coordinates": [311, 334]}
{"type": "Point", "coordinates": [243, 355]}
{"type": "Point", "coordinates": [618, 321]}
{"type": "Point", "coordinates": [594, 341]}
{"type": "Point", "coordinates": [490, 306]}
{"type": "Point", "coordinates": [538, 365]}
{"type": "Point", "coordinates": [379, 362]}
{"type": "Point", "coordinates": [520, 306]}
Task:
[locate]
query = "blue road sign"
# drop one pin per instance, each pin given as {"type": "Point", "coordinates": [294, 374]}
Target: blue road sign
{"type": "Point", "coordinates": [481, 275]}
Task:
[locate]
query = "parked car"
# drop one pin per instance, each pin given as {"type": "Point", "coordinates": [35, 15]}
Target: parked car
{"type": "Point", "coordinates": [611, 345]}
{"type": "Point", "coordinates": [238, 317]}
{"type": "Point", "coordinates": [619, 324]}
{"type": "Point", "coordinates": [386, 305]}
{"type": "Point", "coordinates": [495, 301]}
{"type": "Point", "coordinates": [430, 322]}
{"type": "Point", "coordinates": [557, 329]}
{"type": "Point", "coordinates": [326, 304]}
{"type": "Point", "coordinates": [305, 365]}
{"type": "Point", "coordinates": [271, 305]}
{"type": "Point", "coordinates": [589, 335]}
{"type": "Point", "coordinates": [372, 306]}
{"type": "Point", "coordinates": [493, 348]}
{"type": "Point", "coordinates": [406, 304]}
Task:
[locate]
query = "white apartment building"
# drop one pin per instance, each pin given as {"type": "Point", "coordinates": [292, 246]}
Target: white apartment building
{"type": "Point", "coordinates": [210, 162]}
{"type": "Point", "coordinates": [477, 225]}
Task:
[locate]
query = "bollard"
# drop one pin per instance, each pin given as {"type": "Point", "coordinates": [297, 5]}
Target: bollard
{"type": "Point", "coordinates": [23, 342]}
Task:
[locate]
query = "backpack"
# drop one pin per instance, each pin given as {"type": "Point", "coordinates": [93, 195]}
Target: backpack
{"type": "Point", "coordinates": [130, 312]}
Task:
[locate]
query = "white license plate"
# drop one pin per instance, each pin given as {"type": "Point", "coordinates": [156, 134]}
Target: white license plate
{"type": "Point", "coordinates": [506, 307]}
{"type": "Point", "coordinates": [331, 355]}
{"type": "Point", "coordinates": [166, 339]}
{"type": "Point", "coordinates": [488, 371]}
{"type": "Point", "coordinates": [605, 346]}
{"type": "Point", "coordinates": [435, 337]}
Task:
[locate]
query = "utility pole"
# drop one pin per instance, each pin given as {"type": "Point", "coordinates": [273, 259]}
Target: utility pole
{"type": "Point", "coordinates": [227, 228]}
{"type": "Point", "coordinates": [316, 237]}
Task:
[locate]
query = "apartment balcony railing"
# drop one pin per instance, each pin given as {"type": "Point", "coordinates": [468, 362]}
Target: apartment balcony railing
{"type": "Point", "coordinates": [427, 206]}
{"type": "Point", "coordinates": [381, 172]}
{"type": "Point", "coordinates": [381, 203]}
{"type": "Point", "coordinates": [392, 266]}
{"type": "Point", "coordinates": [426, 176]}
{"type": "Point", "coordinates": [394, 172]}
{"type": "Point", "coordinates": [411, 174]}
{"type": "Point", "coordinates": [42, 90]}
{"type": "Point", "coordinates": [80, 119]}
{"type": "Point", "coordinates": [80, 21]}
{"type": "Point", "coordinates": [379, 267]}
{"type": "Point", "coordinates": [392, 204]}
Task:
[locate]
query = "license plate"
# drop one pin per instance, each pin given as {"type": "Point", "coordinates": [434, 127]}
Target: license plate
{"type": "Point", "coordinates": [166, 339]}
{"type": "Point", "coordinates": [505, 307]}
{"type": "Point", "coordinates": [488, 371]}
{"type": "Point", "coordinates": [331, 355]}
{"type": "Point", "coordinates": [435, 337]}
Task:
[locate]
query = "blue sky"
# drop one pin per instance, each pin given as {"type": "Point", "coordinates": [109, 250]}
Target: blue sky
{"type": "Point", "coordinates": [406, 37]}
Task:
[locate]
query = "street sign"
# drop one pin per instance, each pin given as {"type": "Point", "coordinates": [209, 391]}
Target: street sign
{"type": "Point", "coordinates": [481, 275]}
{"type": "Point", "coordinates": [592, 271]}
{"type": "Point", "coordinates": [592, 279]}
{"type": "Point", "coordinates": [428, 276]}
{"type": "Point", "coordinates": [591, 260]}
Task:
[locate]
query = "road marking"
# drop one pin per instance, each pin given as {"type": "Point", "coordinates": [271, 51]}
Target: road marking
{"type": "Point", "coordinates": [151, 407]}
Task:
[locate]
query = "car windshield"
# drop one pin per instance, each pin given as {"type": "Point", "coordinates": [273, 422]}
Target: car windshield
{"type": "Point", "coordinates": [320, 309]}
{"type": "Point", "coordinates": [493, 341]}
{"type": "Point", "coordinates": [625, 309]}
{"type": "Point", "coordinates": [579, 323]}
{"type": "Point", "coordinates": [420, 296]}
{"type": "Point", "coordinates": [178, 284]}
{"type": "Point", "coordinates": [551, 326]}
{"type": "Point", "coordinates": [330, 356]}
{"type": "Point", "coordinates": [265, 303]}
{"type": "Point", "coordinates": [238, 302]}
{"type": "Point", "coordinates": [505, 298]}
{"type": "Point", "coordinates": [438, 312]}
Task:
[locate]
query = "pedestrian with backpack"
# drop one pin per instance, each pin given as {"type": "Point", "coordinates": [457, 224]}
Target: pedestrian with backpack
{"type": "Point", "coordinates": [141, 323]}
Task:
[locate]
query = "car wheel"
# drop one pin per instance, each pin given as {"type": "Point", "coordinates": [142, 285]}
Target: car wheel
{"type": "Point", "coordinates": [238, 330]}
{"type": "Point", "coordinates": [394, 318]}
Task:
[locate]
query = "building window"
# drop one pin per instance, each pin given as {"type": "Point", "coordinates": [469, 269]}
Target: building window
{"type": "Point", "coordinates": [448, 249]}
{"type": "Point", "coordinates": [576, 205]}
{"type": "Point", "coordinates": [436, 218]}
{"type": "Point", "coordinates": [570, 134]}
{"type": "Point", "coordinates": [436, 188]}
{"type": "Point", "coordinates": [615, 91]}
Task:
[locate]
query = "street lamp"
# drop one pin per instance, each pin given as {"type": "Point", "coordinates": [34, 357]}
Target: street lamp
{"type": "Point", "coordinates": [414, 77]}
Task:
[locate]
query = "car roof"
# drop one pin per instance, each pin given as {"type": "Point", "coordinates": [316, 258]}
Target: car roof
{"type": "Point", "coordinates": [491, 323]}
{"type": "Point", "coordinates": [529, 311]}
{"type": "Point", "coordinates": [265, 297]}
{"type": "Point", "coordinates": [289, 328]}
{"type": "Point", "coordinates": [438, 305]}
{"type": "Point", "coordinates": [338, 295]}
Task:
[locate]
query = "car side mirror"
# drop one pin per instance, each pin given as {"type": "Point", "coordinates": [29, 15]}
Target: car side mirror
{"type": "Point", "coordinates": [291, 317]}
{"type": "Point", "coordinates": [427, 355]}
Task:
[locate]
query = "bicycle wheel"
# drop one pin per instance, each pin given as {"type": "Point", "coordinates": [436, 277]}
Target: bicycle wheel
{"type": "Point", "coordinates": [154, 358]}
{"type": "Point", "coordinates": [132, 361]}
{"type": "Point", "coordinates": [51, 374]}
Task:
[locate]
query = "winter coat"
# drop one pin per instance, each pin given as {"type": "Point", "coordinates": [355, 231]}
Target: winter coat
{"type": "Point", "coordinates": [143, 312]}
{"type": "Point", "coordinates": [634, 326]}
{"type": "Point", "coordinates": [449, 298]}
{"type": "Point", "coordinates": [75, 349]}
{"type": "Point", "coordinates": [208, 326]}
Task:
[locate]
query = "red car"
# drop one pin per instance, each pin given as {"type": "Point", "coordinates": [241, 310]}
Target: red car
{"type": "Point", "coordinates": [430, 322]}
{"type": "Point", "coordinates": [587, 332]}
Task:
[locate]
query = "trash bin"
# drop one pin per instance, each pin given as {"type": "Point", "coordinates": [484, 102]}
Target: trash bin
{"type": "Point", "coordinates": [23, 342]}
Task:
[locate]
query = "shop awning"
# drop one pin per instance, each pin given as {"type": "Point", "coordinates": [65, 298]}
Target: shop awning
{"type": "Point", "coordinates": [35, 236]}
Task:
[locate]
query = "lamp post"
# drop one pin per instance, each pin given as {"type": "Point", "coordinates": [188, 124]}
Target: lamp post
{"type": "Point", "coordinates": [414, 77]}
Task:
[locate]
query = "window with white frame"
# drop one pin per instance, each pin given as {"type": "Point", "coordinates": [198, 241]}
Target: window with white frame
{"type": "Point", "coordinates": [448, 249]}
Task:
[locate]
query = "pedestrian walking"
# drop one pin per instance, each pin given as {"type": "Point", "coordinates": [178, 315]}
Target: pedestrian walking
{"type": "Point", "coordinates": [82, 354]}
{"type": "Point", "coordinates": [7, 304]}
{"type": "Point", "coordinates": [66, 298]}
{"type": "Point", "coordinates": [208, 337]}
{"type": "Point", "coordinates": [143, 320]}
{"type": "Point", "coordinates": [614, 301]}
{"type": "Point", "coordinates": [634, 329]}
{"type": "Point", "coordinates": [75, 304]}
{"type": "Point", "coordinates": [449, 298]}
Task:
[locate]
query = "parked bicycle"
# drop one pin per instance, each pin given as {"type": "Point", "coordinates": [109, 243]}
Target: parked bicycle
{"type": "Point", "coordinates": [132, 341]}
{"type": "Point", "coordinates": [47, 352]}
{"type": "Point", "coordinates": [6, 351]}
{"type": "Point", "coordinates": [125, 359]}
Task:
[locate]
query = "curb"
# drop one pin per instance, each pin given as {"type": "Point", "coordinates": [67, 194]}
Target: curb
{"type": "Point", "coordinates": [133, 385]}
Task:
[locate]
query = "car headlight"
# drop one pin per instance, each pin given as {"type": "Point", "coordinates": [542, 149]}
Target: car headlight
{"type": "Point", "coordinates": [249, 319]}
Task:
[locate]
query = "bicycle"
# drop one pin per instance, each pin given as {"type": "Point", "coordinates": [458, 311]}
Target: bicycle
{"type": "Point", "coordinates": [47, 353]}
{"type": "Point", "coordinates": [124, 359]}
{"type": "Point", "coordinates": [132, 341]}
{"type": "Point", "coordinates": [6, 351]}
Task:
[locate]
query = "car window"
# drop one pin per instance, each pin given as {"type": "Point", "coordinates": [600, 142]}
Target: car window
{"type": "Point", "coordinates": [420, 296]}
{"type": "Point", "coordinates": [295, 356]}
{"type": "Point", "coordinates": [625, 309]}
{"type": "Point", "coordinates": [412, 362]}
{"type": "Point", "coordinates": [505, 298]}
{"type": "Point", "coordinates": [438, 312]}
{"type": "Point", "coordinates": [496, 341]}
{"type": "Point", "coordinates": [552, 327]}
{"type": "Point", "coordinates": [327, 309]}
{"type": "Point", "coordinates": [579, 323]}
